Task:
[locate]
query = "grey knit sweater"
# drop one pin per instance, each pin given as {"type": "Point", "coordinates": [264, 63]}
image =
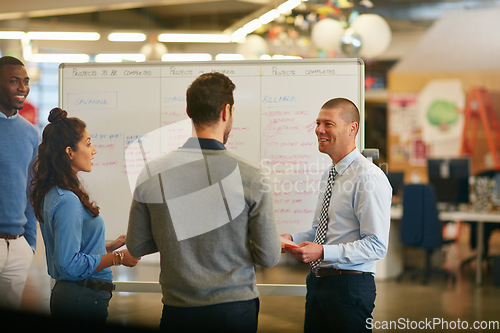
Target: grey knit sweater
{"type": "Point", "coordinates": [207, 214]}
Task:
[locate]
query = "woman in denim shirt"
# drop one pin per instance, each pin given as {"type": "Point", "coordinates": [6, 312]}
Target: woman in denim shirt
{"type": "Point", "coordinates": [73, 232]}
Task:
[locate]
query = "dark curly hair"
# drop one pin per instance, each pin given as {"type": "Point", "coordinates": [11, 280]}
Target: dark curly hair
{"type": "Point", "coordinates": [52, 166]}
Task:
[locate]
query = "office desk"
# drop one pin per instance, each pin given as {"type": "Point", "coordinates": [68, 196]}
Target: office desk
{"type": "Point", "coordinates": [466, 216]}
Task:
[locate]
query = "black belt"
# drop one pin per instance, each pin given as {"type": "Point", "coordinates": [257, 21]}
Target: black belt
{"type": "Point", "coordinates": [96, 284]}
{"type": "Point", "coordinates": [7, 236]}
{"type": "Point", "coordinates": [322, 272]}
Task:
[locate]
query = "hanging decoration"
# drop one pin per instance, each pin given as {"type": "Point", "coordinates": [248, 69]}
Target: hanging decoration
{"type": "Point", "coordinates": [364, 35]}
{"type": "Point", "coordinates": [253, 47]}
{"type": "Point", "coordinates": [375, 34]}
{"type": "Point", "coordinates": [331, 29]}
{"type": "Point", "coordinates": [153, 50]}
{"type": "Point", "coordinates": [326, 34]}
{"type": "Point", "coordinates": [350, 43]}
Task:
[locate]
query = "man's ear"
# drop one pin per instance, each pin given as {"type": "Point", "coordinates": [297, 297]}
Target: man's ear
{"type": "Point", "coordinates": [187, 112]}
{"type": "Point", "coordinates": [354, 127]}
{"type": "Point", "coordinates": [226, 112]}
{"type": "Point", "coordinates": [69, 152]}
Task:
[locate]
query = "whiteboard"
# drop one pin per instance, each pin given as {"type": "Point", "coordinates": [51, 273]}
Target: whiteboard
{"type": "Point", "coordinates": [136, 112]}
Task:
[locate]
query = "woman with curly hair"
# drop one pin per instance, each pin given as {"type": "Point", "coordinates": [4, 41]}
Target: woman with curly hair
{"type": "Point", "coordinates": [73, 232]}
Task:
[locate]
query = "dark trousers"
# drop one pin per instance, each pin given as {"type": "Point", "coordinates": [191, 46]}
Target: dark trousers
{"type": "Point", "coordinates": [339, 303]}
{"type": "Point", "coordinates": [69, 300]}
{"type": "Point", "coordinates": [237, 317]}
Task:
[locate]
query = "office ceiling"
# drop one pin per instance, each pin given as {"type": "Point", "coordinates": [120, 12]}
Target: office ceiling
{"type": "Point", "coordinates": [201, 15]}
{"type": "Point", "coordinates": [405, 17]}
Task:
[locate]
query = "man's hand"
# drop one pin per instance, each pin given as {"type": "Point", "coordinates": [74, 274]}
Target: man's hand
{"type": "Point", "coordinates": [307, 251]}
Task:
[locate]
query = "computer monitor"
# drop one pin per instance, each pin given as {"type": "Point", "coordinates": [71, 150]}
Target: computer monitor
{"type": "Point", "coordinates": [450, 178]}
{"type": "Point", "coordinates": [397, 182]}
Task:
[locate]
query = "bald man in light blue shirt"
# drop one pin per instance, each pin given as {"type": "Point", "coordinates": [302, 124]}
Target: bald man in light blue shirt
{"type": "Point", "coordinates": [341, 289]}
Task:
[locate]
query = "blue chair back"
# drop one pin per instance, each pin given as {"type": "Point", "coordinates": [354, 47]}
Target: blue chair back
{"type": "Point", "coordinates": [420, 225]}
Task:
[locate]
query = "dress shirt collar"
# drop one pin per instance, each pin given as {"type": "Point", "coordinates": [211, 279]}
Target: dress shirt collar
{"type": "Point", "coordinates": [15, 115]}
{"type": "Point", "coordinates": [344, 163]}
{"type": "Point", "coordinates": [200, 143]}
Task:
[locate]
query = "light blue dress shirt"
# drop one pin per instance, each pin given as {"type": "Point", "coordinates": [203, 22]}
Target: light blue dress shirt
{"type": "Point", "coordinates": [74, 239]}
{"type": "Point", "coordinates": [359, 215]}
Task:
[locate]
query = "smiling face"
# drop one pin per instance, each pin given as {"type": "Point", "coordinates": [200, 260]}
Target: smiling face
{"type": "Point", "coordinates": [336, 136]}
{"type": "Point", "coordinates": [81, 158]}
{"type": "Point", "coordinates": [14, 88]}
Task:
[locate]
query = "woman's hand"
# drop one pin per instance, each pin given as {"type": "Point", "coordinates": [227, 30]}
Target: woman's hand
{"type": "Point", "coordinates": [129, 260]}
{"type": "Point", "coordinates": [116, 244]}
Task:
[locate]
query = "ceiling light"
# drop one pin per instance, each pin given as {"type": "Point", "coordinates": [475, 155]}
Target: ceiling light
{"type": "Point", "coordinates": [194, 38]}
{"type": "Point", "coordinates": [269, 16]}
{"type": "Point", "coordinates": [59, 58]}
{"type": "Point", "coordinates": [126, 37]}
{"type": "Point", "coordinates": [285, 7]}
{"type": "Point", "coordinates": [252, 26]}
{"type": "Point", "coordinates": [59, 35]}
{"type": "Point", "coordinates": [248, 28]}
{"type": "Point", "coordinates": [288, 6]}
{"type": "Point", "coordinates": [114, 57]}
{"type": "Point", "coordinates": [238, 35]}
{"type": "Point", "coordinates": [186, 57]}
{"type": "Point", "coordinates": [11, 34]}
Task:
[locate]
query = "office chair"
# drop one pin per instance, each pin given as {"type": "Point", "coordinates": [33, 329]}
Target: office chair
{"type": "Point", "coordinates": [421, 228]}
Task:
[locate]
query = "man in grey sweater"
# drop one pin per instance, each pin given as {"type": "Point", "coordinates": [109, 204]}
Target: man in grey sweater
{"type": "Point", "coordinates": [207, 213]}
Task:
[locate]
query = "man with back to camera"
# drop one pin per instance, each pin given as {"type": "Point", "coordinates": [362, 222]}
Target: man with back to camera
{"type": "Point", "coordinates": [18, 147]}
{"type": "Point", "coordinates": [350, 230]}
{"type": "Point", "coordinates": [205, 210]}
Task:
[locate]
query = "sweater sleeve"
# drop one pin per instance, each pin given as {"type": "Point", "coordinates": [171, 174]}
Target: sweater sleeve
{"type": "Point", "coordinates": [266, 246]}
{"type": "Point", "coordinates": [140, 239]}
{"type": "Point", "coordinates": [30, 226]}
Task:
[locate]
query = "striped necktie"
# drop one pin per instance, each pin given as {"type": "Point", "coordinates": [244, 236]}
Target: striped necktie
{"type": "Point", "coordinates": [323, 218]}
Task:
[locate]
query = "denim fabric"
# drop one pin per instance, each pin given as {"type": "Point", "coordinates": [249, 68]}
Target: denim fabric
{"type": "Point", "coordinates": [71, 300]}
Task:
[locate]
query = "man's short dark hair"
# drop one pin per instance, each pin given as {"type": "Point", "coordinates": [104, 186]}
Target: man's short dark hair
{"type": "Point", "coordinates": [207, 96]}
{"type": "Point", "coordinates": [8, 60]}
